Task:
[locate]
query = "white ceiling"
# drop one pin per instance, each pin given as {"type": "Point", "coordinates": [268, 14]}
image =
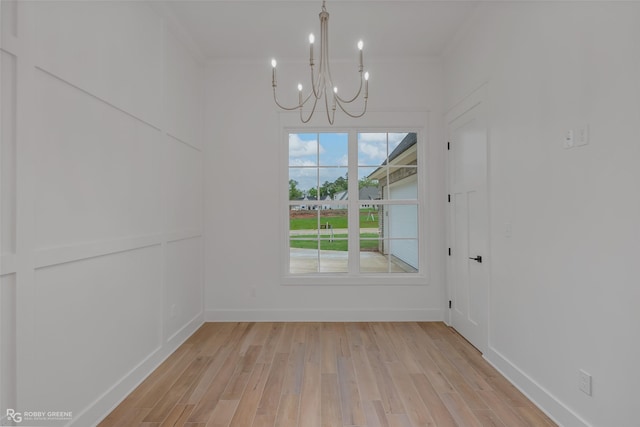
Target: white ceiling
{"type": "Point", "coordinates": [257, 29]}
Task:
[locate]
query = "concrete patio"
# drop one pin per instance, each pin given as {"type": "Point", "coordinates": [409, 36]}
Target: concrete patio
{"type": "Point", "coordinates": [307, 260]}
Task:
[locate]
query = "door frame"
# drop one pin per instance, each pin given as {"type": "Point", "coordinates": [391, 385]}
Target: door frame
{"type": "Point", "coordinates": [476, 98]}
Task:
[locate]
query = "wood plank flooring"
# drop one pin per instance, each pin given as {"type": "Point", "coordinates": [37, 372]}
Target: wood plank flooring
{"type": "Point", "coordinates": [408, 374]}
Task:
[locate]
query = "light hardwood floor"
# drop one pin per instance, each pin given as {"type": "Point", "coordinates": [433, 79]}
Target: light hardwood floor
{"type": "Point", "coordinates": [405, 374]}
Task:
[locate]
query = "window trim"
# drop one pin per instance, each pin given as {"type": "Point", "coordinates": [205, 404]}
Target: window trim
{"type": "Point", "coordinates": [394, 122]}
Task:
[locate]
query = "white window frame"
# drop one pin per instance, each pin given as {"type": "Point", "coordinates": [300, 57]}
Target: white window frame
{"type": "Point", "coordinates": [371, 123]}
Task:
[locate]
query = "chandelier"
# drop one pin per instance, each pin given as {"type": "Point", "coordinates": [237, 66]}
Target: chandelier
{"type": "Point", "coordinates": [321, 81]}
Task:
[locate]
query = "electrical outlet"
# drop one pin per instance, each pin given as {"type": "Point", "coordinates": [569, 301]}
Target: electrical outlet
{"type": "Point", "coordinates": [569, 140]}
{"type": "Point", "coordinates": [584, 382]}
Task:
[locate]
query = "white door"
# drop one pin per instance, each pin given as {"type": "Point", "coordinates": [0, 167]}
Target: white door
{"type": "Point", "coordinates": [468, 273]}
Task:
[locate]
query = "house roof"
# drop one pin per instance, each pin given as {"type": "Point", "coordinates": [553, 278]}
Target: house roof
{"type": "Point", "coordinates": [309, 199]}
{"type": "Point", "coordinates": [365, 193]}
{"type": "Point", "coordinates": [369, 193]}
{"type": "Point", "coordinates": [410, 140]}
{"type": "Point", "coordinates": [342, 195]}
{"type": "Point", "coordinates": [407, 143]}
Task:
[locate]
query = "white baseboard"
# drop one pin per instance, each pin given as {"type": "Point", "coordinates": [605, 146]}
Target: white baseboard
{"type": "Point", "coordinates": [326, 315]}
{"type": "Point", "coordinates": [180, 336]}
{"type": "Point", "coordinates": [545, 400]}
{"type": "Point", "coordinates": [106, 403]}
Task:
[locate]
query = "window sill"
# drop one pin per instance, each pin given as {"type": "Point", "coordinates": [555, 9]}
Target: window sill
{"type": "Point", "coordinates": [360, 280]}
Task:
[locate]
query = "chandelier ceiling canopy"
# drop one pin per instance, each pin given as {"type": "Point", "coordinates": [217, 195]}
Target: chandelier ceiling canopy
{"type": "Point", "coordinates": [322, 85]}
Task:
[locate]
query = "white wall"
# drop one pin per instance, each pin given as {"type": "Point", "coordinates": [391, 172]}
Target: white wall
{"type": "Point", "coordinates": [564, 289]}
{"type": "Point", "coordinates": [242, 170]}
{"type": "Point", "coordinates": [101, 203]}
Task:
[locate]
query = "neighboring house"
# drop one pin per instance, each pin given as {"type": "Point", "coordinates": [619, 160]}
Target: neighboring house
{"type": "Point", "coordinates": [395, 182]}
{"type": "Point", "coordinates": [327, 206]}
{"type": "Point", "coordinates": [369, 193]}
{"type": "Point", "coordinates": [342, 195]}
{"type": "Point", "coordinates": [365, 193]}
{"type": "Point", "coordinates": [311, 204]}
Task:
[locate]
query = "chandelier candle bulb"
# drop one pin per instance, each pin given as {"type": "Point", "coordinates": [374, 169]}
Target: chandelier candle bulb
{"type": "Point", "coordinates": [273, 72]}
{"type": "Point", "coordinates": [360, 46]}
{"type": "Point", "coordinates": [366, 85]}
{"type": "Point", "coordinates": [311, 40]}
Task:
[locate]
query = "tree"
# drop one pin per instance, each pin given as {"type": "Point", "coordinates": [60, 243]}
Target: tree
{"type": "Point", "coordinates": [327, 189]}
{"type": "Point", "coordinates": [367, 182]}
{"type": "Point", "coordinates": [294, 192]}
{"type": "Point", "coordinates": [340, 184]}
{"type": "Point", "coordinates": [312, 193]}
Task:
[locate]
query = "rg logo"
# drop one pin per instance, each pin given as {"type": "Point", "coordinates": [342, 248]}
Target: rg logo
{"type": "Point", "coordinates": [14, 416]}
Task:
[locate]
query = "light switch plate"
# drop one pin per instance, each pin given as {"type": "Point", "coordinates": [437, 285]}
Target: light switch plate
{"type": "Point", "coordinates": [584, 382]}
{"type": "Point", "coordinates": [582, 137]}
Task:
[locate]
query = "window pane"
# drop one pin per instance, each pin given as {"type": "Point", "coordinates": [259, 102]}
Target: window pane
{"type": "Point", "coordinates": [303, 221]}
{"type": "Point", "coordinates": [388, 256]}
{"type": "Point", "coordinates": [334, 149]}
{"type": "Point", "coordinates": [303, 183]}
{"type": "Point", "coordinates": [372, 259]}
{"type": "Point", "coordinates": [404, 183]}
{"type": "Point", "coordinates": [368, 184]}
{"type": "Point", "coordinates": [395, 138]}
{"type": "Point", "coordinates": [334, 248]}
{"type": "Point", "coordinates": [401, 222]}
{"type": "Point", "coordinates": [303, 149]}
{"type": "Point", "coordinates": [388, 238]}
{"type": "Point", "coordinates": [334, 254]}
{"type": "Point", "coordinates": [303, 256]}
{"type": "Point", "coordinates": [403, 152]}
{"type": "Point", "coordinates": [333, 221]}
{"type": "Point", "coordinates": [372, 149]}
{"type": "Point", "coordinates": [333, 183]}
{"type": "Point", "coordinates": [370, 220]}
{"type": "Point", "coordinates": [403, 255]}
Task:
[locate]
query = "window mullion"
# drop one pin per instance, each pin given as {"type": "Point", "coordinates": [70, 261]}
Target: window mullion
{"type": "Point", "coordinates": [354, 217]}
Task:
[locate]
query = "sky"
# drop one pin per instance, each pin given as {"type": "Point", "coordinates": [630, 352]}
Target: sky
{"type": "Point", "coordinates": [315, 158]}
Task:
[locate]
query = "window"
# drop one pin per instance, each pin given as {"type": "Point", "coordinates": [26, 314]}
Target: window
{"type": "Point", "coordinates": [354, 204]}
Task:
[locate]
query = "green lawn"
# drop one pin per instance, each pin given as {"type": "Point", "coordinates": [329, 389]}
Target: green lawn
{"type": "Point", "coordinates": [334, 221]}
{"type": "Point", "coordinates": [309, 241]}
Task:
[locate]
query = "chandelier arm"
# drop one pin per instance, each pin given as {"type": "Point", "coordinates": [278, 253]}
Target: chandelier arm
{"type": "Point", "coordinates": [282, 106]}
{"type": "Point", "coordinates": [305, 100]}
{"type": "Point", "coordinates": [356, 95]}
{"type": "Point", "coordinates": [335, 95]}
{"type": "Point", "coordinates": [314, 90]}
{"type": "Point", "coordinates": [319, 86]}
{"type": "Point", "coordinates": [331, 117]}
{"type": "Point", "coordinates": [355, 116]}
{"type": "Point", "coordinates": [313, 109]}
